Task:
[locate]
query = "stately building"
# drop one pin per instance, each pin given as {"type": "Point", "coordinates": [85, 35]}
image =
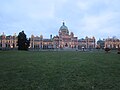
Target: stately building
{"type": "Point", "coordinates": [8, 41]}
{"type": "Point", "coordinates": [64, 39]}
{"type": "Point", "coordinates": [112, 43]}
{"type": "Point", "coordinates": [101, 43]}
{"type": "Point", "coordinates": [37, 42]}
{"type": "Point", "coordinates": [87, 43]}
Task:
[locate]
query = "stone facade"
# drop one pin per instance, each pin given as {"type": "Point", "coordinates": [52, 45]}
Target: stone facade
{"type": "Point", "coordinates": [112, 43]}
{"type": "Point", "coordinates": [37, 42]}
{"type": "Point", "coordinates": [64, 39]}
{"type": "Point", "coordinates": [8, 41]}
{"type": "Point", "coordinates": [89, 43]}
{"type": "Point", "coordinates": [101, 44]}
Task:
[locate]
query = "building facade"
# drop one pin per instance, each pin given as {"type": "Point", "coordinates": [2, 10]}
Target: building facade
{"type": "Point", "coordinates": [112, 43]}
{"type": "Point", "coordinates": [8, 41]}
{"type": "Point", "coordinates": [64, 39]}
{"type": "Point", "coordinates": [101, 44]}
{"type": "Point", "coordinates": [37, 42]}
{"type": "Point", "coordinates": [87, 43]}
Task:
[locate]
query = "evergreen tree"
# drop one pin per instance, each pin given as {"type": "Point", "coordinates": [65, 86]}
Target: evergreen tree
{"type": "Point", "coordinates": [23, 42]}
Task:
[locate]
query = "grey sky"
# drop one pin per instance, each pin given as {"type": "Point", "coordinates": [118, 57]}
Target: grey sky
{"type": "Point", "coordinates": [99, 18]}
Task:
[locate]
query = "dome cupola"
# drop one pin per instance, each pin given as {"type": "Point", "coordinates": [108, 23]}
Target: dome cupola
{"type": "Point", "coordinates": [64, 29]}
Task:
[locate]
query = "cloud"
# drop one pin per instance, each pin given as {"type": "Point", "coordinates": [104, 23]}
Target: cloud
{"type": "Point", "coordinates": [83, 17]}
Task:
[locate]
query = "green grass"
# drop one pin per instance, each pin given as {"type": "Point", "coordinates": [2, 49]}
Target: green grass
{"type": "Point", "coordinates": [20, 70]}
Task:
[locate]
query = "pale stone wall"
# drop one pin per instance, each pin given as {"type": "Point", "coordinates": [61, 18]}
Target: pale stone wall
{"type": "Point", "coordinates": [8, 41]}
{"type": "Point", "coordinates": [112, 43]}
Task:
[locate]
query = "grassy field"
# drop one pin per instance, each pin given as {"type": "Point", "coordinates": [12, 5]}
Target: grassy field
{"type": "Point", "coordinates": [20, 70]}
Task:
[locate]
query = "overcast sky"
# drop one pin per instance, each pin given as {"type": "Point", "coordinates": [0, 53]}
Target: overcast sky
{"type": "Point", "coordinates": [99, 18]}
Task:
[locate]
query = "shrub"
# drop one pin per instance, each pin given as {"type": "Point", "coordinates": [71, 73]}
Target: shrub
{"type": "Point", "coordinates": [98, 48]}
{"type": "Point", "coordinates": [118, 51]}
{"type": "Point", "coordinates": [107, 49]}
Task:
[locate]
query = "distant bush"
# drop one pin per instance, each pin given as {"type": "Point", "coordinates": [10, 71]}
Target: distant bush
{"type": "Point", "coordinates": [98, 48]}
{"type": "Point", "coordinates": [107, 49]}
{"type": "Point", "coordinates": [118, 51]}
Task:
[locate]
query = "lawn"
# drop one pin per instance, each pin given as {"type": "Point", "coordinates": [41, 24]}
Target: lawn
{"type": "Point", "coordinates": [22, 70]}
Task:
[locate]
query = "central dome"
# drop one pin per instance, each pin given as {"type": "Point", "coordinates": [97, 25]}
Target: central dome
{"type": "Point", "coordinates": [63, 28]}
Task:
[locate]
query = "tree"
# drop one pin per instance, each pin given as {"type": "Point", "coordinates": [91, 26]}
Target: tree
{"type": "Point", "coordinates": [107, 49]}
{"type": "Point", "coordinates": [23, 42]}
